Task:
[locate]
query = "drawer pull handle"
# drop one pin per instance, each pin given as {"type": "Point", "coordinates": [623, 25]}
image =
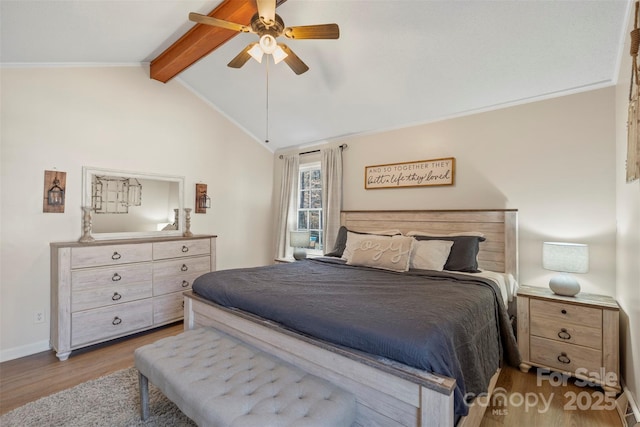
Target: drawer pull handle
{"type": "Point", "coordinates": [563, 311]}
{"type": "Point", "coordinates": [116, 321]}
{"type": "Point", "coordinates": [184, 267]}
{"type": "Point", "coordinates": [563, 334]}
{"type": "Point", "coordinates": [116, 277]}
{"type": "Point", "coordinates": [185, 284]}
{"type": "Point", "coordinates": [185, 248]}
{"type": "Point", "coordinates": [116, 256]}
{"type": "Point", "coordinates": [563, 358]}
{"type": "Point", "coordinates": [183, 305]}
{"type": "Point", "coordinates": [116, 296]}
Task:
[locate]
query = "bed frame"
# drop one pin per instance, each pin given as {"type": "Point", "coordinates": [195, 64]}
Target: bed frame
{"type": "Point", "coordinates": [388, 393]}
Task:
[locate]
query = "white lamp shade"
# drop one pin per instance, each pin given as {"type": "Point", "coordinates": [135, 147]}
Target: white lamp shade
{"type": "Point", "coordinates": [300, 239]}
{"type": "Point", "coordinates": [565, 257]}
{"type": "Point", "coordinates": [256, 52]}
{"type": "Point", "coordinates": [278, 55]}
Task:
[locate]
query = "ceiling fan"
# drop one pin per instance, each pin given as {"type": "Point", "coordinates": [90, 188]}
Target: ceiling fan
{"type": "Point", "coordinates": [268, 26]}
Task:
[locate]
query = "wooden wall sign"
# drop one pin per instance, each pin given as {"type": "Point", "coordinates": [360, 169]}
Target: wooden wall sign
{"type": "Point", "coordinates": [202, 200]}
{"type": "Point", "coordinates": [55, 183]}
{"type": "Point", "coordinates": [422, 173]}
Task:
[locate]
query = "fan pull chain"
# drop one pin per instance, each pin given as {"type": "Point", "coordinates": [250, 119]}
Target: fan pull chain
{"type": "Point", "coordinates": [267, 124]}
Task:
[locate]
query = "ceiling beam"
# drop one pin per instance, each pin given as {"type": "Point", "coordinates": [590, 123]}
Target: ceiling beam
{"type": "Point", "coordinates": [202, 39]}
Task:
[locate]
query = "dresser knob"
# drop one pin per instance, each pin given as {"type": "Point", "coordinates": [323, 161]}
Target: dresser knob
{"type": "Point", "coordinates": [116, 256]}
{"type": "Point", "coordinates": [563, 311]}
{"type": "Point", "coordinates": [116, 296]}
{"type": "Point", "coordinates": [116, 277]}
{"type": "Point", "coordinates": [185, 284]}
{"type": "Point", "coordinates": [116, 321]}
{"type": "Point", "coordinates": [563, 334]}
{"type": "Point", "coordinates": [184, 267]}
{"type": "Point", "coordinates": [563, 358]}
{"type": "Point", "coordinates": [185, 248]}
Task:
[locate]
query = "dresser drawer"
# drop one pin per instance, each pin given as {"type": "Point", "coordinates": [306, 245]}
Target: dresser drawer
{"type": "Point", "coordinates": [111, 295]}
{"type": "Point", "coordinates": [182, 248]}
{"type": "Point", "coordinates": [168, 307]}
{"type": "Point", "coordinates": [99, 324]}
{"type": "Point", "coordinates": [111, 276]}
{"type": "Point", "coordinates": [564, 357]}
{"type": "Point", "coordinates": [180, 267]}
{"type": "Point", "coordinates": [564, 313]}
{"type": "Point", "coordinates": [94, 256]}
{"type": "Point", "coordinates": [169, 284]}
{"type": "Point", "coordinates": [568, 332]}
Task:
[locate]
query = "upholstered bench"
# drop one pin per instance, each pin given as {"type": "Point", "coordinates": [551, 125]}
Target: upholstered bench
{"type": "Point", "coordinates": [217, 380]}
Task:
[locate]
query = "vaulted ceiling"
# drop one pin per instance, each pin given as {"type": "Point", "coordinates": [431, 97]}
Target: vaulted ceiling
{"type": "Point", "coordinates": [397, 63]}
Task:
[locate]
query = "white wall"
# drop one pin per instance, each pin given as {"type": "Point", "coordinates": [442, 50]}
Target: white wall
{"type": "Point", "coordinates": [553, 160]}
{"type": "Point", "coordinates": [66, 118]}
{"type": "Point", "coordinates": [628, 239]}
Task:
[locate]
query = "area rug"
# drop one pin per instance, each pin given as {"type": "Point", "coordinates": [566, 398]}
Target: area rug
{"type": "Point", "coordinates": [109, 401]}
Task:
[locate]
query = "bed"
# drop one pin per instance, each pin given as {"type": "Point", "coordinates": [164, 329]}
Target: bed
{"type": "Point", "coordinates": [340, 318]}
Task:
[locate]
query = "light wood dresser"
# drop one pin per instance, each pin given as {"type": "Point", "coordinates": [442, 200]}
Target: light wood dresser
{"type": "Point", "coordinates": [111, 288]}
{"type": "Point", "coordinates": [576, 335]}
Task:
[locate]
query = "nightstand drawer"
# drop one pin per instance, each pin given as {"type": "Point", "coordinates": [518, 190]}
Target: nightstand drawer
{"type": "Point", "coordinates": [563, 313]}
{"type": "Point", "coordinates": [564, 357]}
{"type": "Point", "coordinates": [566, 332]}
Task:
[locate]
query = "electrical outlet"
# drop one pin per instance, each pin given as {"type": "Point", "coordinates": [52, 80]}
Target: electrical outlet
{"type": "Point", "coordinates": [38, 317]}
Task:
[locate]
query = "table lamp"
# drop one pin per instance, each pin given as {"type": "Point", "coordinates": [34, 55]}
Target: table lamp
{"type": "Point", "coordinates": [299, 240]}
{"type": "Point", "coordinates": [565, 258]}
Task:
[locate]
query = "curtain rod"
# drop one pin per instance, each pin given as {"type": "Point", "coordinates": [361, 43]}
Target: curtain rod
{"type": "Point", "coordinates": [342, 147]}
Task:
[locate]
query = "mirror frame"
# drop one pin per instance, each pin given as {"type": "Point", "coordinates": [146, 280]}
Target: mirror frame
{"type": "Point", "coordinates": [87, 174]}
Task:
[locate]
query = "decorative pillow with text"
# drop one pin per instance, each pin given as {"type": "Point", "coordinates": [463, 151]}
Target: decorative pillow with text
{"type": "Point", "coordinates": [384, 252]}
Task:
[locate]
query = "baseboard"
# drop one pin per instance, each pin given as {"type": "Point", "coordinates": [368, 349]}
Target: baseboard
{"type": "Point", "coordinates": [25, 350]}
{"type": "Point", "coordinates": [628, 408]}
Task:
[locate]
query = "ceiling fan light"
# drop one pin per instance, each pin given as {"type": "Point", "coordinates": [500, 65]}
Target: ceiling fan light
{"type": "Point", "coordinates": [268, 43]}
{"type": "Point", "coordinates": [256, 52]}
{"type": "Point", "coordinates": [279, 54]}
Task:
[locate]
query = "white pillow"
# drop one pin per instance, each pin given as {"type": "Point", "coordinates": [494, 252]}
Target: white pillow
{"type": "Point", "coordinates": [430, 254]}
{"type": "Point", "coordinates": [385, 252]}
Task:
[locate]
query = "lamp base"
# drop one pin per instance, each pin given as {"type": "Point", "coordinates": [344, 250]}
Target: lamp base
{"type": "Point", "coordinates": [299, 253]}
{"type": "Point", "coordinates": [564, 284]}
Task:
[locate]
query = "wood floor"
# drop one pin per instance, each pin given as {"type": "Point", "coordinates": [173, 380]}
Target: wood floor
{"type": "Point", "coordinates": [524, 400]}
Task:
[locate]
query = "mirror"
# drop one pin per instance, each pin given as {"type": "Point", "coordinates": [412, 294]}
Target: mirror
{"type": "Point", "coordinates": [131, 204]}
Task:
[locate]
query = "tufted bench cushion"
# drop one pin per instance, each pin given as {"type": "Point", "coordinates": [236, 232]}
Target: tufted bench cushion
{"type": "Point", "coordinates": [217, 380]}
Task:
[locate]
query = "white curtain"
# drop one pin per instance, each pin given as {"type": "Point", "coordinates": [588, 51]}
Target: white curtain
{"type": "Point", "coordinates": [287, 212]}
{"type": "Point", "coordinates": [331, 195]}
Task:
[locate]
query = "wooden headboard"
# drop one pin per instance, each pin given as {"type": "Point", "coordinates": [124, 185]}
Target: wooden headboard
{"type": "Point", "coordinates": [499, 226]}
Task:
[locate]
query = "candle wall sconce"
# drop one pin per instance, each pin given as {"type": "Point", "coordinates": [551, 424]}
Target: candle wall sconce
{"type": "Point", "coordinates": [203, 202]}
{"type": "Point", "coordinates": [54, 185]}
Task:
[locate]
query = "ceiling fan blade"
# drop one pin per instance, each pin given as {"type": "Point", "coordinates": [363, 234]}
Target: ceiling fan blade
{"type": "Point", "coordinates": [293, 61]}
{"type": "Point", "coordinates": [322, 31]}
{"type": "Point", "coordinates": [267, 10]}
{"type": "Point", "coordinates": [209, 20]}
{"type": "Point", "coordinates": [242, 57]}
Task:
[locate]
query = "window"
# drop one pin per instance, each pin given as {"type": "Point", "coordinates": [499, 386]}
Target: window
{"type": "Point", "coordinates": [310, 204]}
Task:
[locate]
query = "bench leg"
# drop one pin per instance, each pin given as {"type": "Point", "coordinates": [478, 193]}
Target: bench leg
{"type": "Point", "coordinates": [143, 383]}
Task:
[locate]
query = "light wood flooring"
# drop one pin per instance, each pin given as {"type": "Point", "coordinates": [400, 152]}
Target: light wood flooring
{"type": "Point", "coordinates": [29, 378]}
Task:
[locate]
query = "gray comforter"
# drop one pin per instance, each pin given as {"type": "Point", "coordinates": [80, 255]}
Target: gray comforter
{"type": "Point", "coordinates": [450, 324]}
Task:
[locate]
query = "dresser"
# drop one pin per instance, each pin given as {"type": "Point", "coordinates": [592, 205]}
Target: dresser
{"type": "Point", "coordinates": [576, 335]}
{"type": "Point", "coordinates": [112, 288]}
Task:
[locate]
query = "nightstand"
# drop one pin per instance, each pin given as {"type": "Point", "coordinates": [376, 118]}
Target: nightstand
{"type": "Point", "coordinates": [576, 335]}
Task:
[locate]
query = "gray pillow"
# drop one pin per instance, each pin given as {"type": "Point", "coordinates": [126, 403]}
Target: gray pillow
{"type": "Point", "coordinates": [464, 252]}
